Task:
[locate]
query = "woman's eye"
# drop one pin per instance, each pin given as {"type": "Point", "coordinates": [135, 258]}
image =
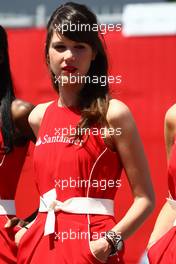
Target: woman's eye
{"type": "Point", "coordinates": [59, 47]}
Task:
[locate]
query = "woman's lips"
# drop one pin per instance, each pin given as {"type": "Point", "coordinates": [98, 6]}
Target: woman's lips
{"type": "Point", "coordinates": [70, 69]}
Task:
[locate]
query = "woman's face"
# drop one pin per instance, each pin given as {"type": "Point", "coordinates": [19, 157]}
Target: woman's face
{"type": "Point", "coordinates": [69, 58]}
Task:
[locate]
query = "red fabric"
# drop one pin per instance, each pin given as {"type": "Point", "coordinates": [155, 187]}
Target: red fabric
{"type": "Point", "coordinates": [163, 251]}
{"type": "Point", "coordinates": [9, 179]}
{"type": "Point", "coordinates": [8, 249]}
{"type": "Point", "coordinates": [10, 171]}
{"type": "Point", "coordinates": [57, 160]}
{"type": "Point", "coordinates": [147, 66]}
{"type": "Point", "coordinates": [26, 198]}
{"type": "Point", "coordinates": [16, 173]}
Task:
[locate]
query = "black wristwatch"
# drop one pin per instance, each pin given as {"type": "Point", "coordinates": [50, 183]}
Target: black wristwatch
{"type": "Point", "coordinates": [115, 240]}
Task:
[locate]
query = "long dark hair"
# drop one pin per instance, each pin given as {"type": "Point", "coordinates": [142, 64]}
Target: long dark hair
{"type": "Point", "coordinates": [93, 97]}
{"type": "Point", "coordinates": [6, 93]}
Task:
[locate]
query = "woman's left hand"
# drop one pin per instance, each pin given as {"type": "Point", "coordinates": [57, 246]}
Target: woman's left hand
{"type": "Point", "coordinates": [101, 249]}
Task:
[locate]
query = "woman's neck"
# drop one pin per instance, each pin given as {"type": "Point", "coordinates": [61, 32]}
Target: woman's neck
{"type": "Point", "coordinates": [68, 98]}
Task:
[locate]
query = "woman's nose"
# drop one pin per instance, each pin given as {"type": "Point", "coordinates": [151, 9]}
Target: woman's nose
{"type": "Point", "coordinates": [69, 55]}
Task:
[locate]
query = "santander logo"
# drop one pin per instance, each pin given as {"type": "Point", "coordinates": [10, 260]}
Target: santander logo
{"type": "Point", "coordinates": [47, 139]}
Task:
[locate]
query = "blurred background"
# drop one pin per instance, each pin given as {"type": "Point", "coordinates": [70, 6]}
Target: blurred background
{"type": "Point", "coordinates": [143, 53]}
{"type": "Point", "coordinates": [19, 13]}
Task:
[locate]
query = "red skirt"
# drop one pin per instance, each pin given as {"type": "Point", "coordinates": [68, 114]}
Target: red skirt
{"type": "Point", "coordinates": [164, 250]}
{"type": "Point", "coordinates": [63, 247]}
{"type": "Point", "coordinates": [8, 249]}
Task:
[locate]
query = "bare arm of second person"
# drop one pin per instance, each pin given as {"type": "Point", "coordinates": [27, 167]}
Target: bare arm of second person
{"type": "Point", "coordinates": [167, 214]}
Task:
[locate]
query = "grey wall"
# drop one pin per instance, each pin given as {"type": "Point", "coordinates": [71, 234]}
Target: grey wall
{"type": "Point", "coordinates": [29, 7]}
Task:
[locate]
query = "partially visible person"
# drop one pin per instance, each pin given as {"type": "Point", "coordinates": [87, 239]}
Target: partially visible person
{"type": "Point", "coordinates": [162, 243]}
{"type": "Point", "coordinates": [15, 134]}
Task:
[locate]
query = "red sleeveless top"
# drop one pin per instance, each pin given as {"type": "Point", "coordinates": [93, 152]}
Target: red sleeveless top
{"type": "Point", "coordinates": [10, 168]}
{"type": "Point", "coordinates": [74, 167]}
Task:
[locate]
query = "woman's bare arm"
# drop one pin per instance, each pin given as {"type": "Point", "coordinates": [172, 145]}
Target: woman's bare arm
{"type": "Point", "coordinates": [131, 152]}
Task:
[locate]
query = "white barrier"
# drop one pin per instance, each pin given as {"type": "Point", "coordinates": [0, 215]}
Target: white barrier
{"type": "Point", "coordinates": [149, 19]}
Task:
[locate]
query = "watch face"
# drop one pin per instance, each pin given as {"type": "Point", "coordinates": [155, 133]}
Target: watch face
{"type": "Point", "coordinates": [120, 245]}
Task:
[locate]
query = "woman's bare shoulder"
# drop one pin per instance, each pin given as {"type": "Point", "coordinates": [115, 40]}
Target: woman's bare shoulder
{"type": "Point", "coordinates": [118, 111]}
{"type": "Point", "coordinates": [20, 108]}
{"type": "Point", "coordinates": [37, 113]}
{"type": "Point", "coordinates": [170, 117]}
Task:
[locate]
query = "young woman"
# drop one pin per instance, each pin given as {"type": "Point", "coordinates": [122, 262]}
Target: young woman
{"type": "Point", "coordinates": [14, 135]}
{"type": "Point", "coordinates": [162, 242]}
{"type": "Point", "coordinates": [79, 147]}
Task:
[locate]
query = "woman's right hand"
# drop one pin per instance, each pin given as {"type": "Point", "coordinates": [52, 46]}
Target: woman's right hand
{"type": "Point", "coordinates": [101, 249]}
{"type": "Point", "coordinates": [15, 221]}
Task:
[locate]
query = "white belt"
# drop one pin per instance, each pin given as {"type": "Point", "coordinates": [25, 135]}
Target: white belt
{"type": "Point", "coordinates": [172, 203]}
{"type": "Point", "coordinates": [7, 207]}
{"type": "Point", "coordinates": [76, 205]}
